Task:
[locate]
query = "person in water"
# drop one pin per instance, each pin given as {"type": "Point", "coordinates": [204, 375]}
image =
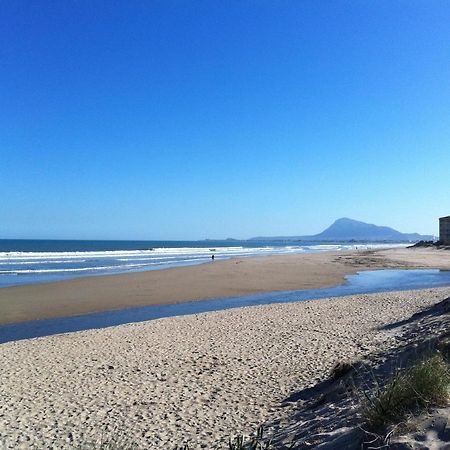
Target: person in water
{"type": "Point", "coordinates": [212, 257]}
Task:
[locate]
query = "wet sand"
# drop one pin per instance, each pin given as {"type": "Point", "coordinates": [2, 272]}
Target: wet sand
{"type": "Point", "coordinates": [229, 278]}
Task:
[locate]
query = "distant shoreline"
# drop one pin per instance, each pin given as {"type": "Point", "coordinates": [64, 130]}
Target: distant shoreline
{"type": "Point", "coordinates": [228, 278]}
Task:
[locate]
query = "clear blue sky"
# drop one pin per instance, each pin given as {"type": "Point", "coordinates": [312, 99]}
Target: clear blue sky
{"type": "Point", "coordinates": [194, 119]}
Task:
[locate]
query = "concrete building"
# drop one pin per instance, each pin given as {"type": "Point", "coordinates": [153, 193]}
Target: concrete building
{"type": "Point", "coordinates": [444, 230]}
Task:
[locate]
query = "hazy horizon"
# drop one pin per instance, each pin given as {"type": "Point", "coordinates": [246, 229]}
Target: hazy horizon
{"type": "Point", "coordinates": [210, 238]}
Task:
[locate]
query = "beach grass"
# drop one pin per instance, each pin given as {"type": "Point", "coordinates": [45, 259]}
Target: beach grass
{"type": "Point", "coordinates": [117, 440]}
{"type": "Point", "coordinates": [255, 443]}
{"type": "Point", "coordinates": [407, 392]}
{"type": "Point", "coordinates": [120, 441]}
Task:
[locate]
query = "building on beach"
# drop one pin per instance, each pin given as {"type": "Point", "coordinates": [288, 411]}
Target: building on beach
{"type": "Point", "coordinates": [444, 230]}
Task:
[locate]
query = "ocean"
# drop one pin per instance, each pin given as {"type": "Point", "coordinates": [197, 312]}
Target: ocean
{"type": "Point", "coordinates": [40, 261]}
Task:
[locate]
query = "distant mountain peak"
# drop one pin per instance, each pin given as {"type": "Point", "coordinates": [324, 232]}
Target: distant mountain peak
{"type": "Point", "coordinates": [350, 229]}
{"type": "Point", "coordinates": [346, 229]}
{"type": "Point", "coordinates": [348, 221]}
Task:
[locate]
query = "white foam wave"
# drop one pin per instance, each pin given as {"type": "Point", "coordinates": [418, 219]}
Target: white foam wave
{"type": "Point", "coordinates": [115, 253]}
{"type": "Point", "coordinates": [43, 261]}
{"type": "Point", "coordinates": [11, 263]}
{"type": "Point", "coordinates": [87, 269]}
{"type": "Point", "coordinates": [60, 257]}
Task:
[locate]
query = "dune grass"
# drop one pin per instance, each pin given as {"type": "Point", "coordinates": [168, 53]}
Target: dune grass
{"type": "Point", "coordinates": [425, 383]}
{"type": "Point", "coordinates": [120, 441]}
{"type": "Point", "coordinates": [255, 443]}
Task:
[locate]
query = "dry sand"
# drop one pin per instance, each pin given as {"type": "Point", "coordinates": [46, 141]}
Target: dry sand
{"type": "Point", "coordinates": [219, 279]}
{"type": "Point", "coordinates": [196, 379]}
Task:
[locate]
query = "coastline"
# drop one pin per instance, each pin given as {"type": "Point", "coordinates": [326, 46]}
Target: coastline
{"type": "Point", "coordinates": [195, 379]}
{"type": "Point", "coordinates": [234, 277]}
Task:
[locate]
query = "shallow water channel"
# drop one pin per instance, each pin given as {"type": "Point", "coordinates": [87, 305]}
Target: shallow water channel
{"type": "Point", "coordinates": [361, 283]}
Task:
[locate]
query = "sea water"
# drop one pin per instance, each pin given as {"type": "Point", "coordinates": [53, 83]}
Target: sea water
{"type": "Point", "coordinates": [38, 261]}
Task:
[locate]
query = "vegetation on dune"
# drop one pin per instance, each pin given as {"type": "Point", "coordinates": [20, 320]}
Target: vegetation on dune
{"type": "Point", "coordinates": [340, 369]}
{"type": "Point", "coordinates": [409, 391]}
{"type": "Point", "coordinates": [120, 442]}
{"type": "Point", "coordinates": [116, 440]}
{"type": "Point", "coordinates": [255, 443]}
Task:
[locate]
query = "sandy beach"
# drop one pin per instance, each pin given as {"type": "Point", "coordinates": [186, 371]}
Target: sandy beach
{"type": "Point", "coordinates": [196, 379]}
{"type": "Point", "coordinates": [233, 277]}
{"type": "Point", "coordinates": [224, 225]}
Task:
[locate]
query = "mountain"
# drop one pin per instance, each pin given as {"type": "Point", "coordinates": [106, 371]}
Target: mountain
{"type": "Point", "coordinates": [353, 230]}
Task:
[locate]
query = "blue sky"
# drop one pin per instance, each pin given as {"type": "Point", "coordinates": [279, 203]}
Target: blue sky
{"type": "Point", "coordinates": [209, 119]}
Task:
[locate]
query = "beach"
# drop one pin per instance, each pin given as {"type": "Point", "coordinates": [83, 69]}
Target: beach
{"type": "Point", "coordinates": [195, 379]}
{"type": "Point", "coordinates": [218, 279]}
{"type": "Point", "coordinates": [224, 225]}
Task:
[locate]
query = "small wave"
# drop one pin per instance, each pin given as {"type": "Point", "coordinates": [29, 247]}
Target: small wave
{"type": "Point", "coordinates": [113, 254]}
{"type": "Point", "coordinates": [87, 269]}
{"type": "Point", "coordinates": [53, 261]}
{"type": "Point", "coordinates": [24, 258]}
